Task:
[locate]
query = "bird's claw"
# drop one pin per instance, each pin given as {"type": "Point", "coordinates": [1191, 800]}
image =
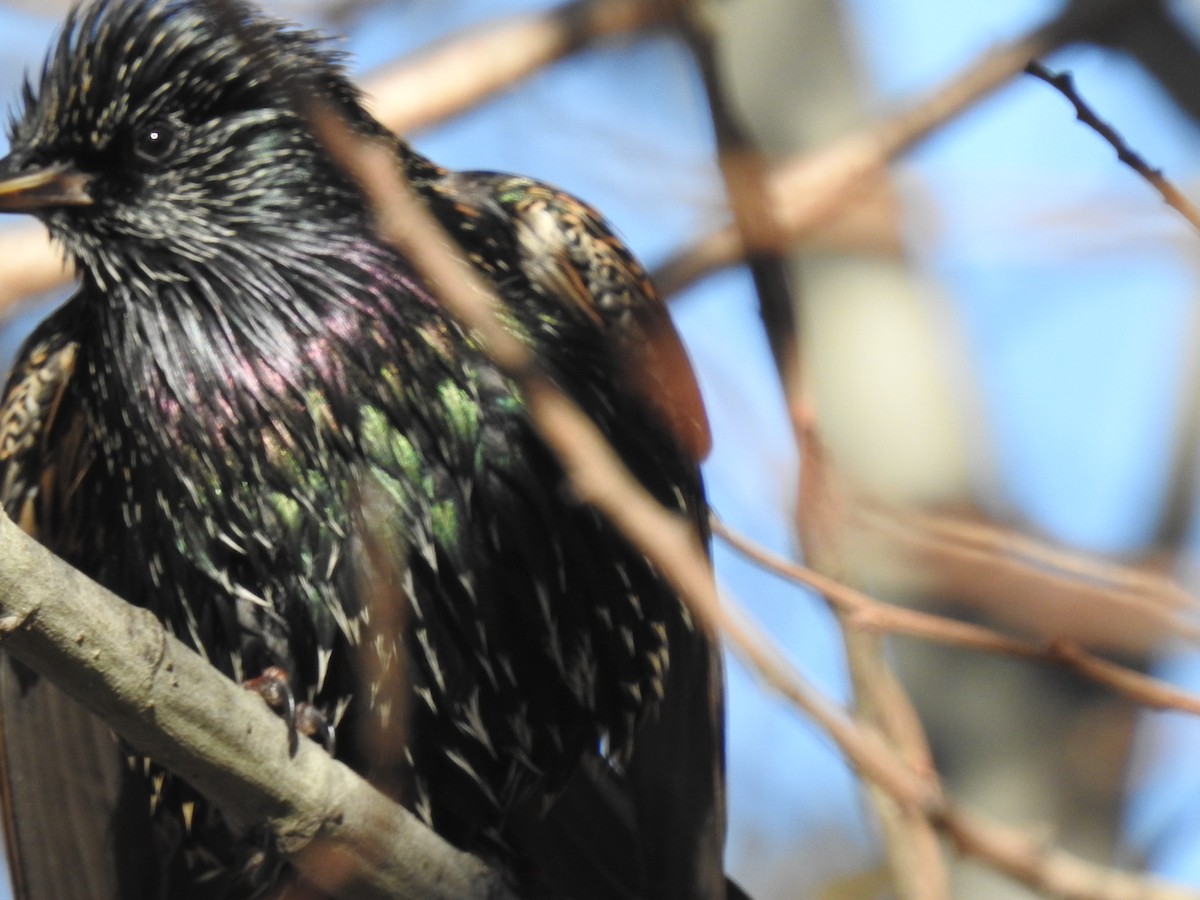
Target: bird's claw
{"type": "Point", "coordinates": [301, 718]}
{"type": "Point", "coordinates": [275, 689]}
{"type": "Point", "coordinates": [311, 722]}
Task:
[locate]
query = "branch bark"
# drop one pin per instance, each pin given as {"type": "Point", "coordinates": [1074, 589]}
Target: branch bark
{"type": "Point", "coordinates": [169, 703]}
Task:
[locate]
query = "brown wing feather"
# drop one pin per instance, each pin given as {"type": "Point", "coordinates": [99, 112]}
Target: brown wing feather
{"type": "Point", "coordinates": [657, 828]}
{"type": "Point", "coordinates": [567, 247]}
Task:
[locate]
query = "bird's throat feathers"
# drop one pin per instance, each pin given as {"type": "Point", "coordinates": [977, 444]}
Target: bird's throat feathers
{"type": "Point", "coordinates": [250, 341]}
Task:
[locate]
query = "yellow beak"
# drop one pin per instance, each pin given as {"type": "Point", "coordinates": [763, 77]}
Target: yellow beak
{"type": "Point", "coordinates": [43, 189]}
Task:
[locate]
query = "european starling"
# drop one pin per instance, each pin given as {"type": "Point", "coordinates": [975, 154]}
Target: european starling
{"type": "Point", "coordinates": [255, 420]}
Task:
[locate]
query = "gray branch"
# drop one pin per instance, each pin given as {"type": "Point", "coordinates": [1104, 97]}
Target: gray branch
{"type": "Point", "coordinates": [169, 703]}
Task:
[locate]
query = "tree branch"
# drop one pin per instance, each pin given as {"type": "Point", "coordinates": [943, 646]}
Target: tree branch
{"type": "Point", "coordinates": [1043, 867]}
{"type": "Point", "coordinates": [862, 611]}
{"type": "Point", "coordinates": [454, 75]}
{"type": "Point", "coordinates": [1064, 83]}
{"type": "Point", "coordinates": [170, 704]}
{"type": "Point", "coordinates": [808, 190]}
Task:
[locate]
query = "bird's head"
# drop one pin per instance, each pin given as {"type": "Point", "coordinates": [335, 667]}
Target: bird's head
{"type": "Point", "coordinates": [160, 132]}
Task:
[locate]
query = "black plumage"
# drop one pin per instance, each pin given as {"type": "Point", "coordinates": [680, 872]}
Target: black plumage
{"type": "Point", "coordinates": [255, 420]}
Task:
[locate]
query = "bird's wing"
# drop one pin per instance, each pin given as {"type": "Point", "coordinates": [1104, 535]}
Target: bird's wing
{"type": "Point", "coordinates": [566, 249]}
{"type": "Point", "coordinates": [676, 774]}
{"type": "Point", "coordinates": [36, 470]}
{"type": "Point", "coordinates": [62, 773]}
{"type": "Point", "coordinates": [669, 802]}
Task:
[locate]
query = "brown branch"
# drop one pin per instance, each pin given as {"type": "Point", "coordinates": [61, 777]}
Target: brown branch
{"type": "Point", "coordinates": [1001, 558]}
{"type": "Point", "coordinates": [913, 849]}
{"type": "Point", "coordinates": [1064, 83]}
{"type": "Point", "coordinates": [169, 703]}
{"type": "Point", "coordinates": [865, 612]}
{"type": "Point", "coordinates": [454, 75]}
{"type": "Point", "coordinates": [28, 264]}
{"type": "Point", "coordinates": [1046, 869]}
{"type": "Point", "coordinates": [1010, 851]}
{"type": "Point", "coordinates": [1136, 584]}
{"type": "Point", "coordinates": [810, 189]}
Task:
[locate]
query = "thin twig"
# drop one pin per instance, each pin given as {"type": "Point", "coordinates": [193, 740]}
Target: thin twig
{"type": "Point", "coordinates": [1000, 540]}
{"type": "Point", "coordinates": [1064, 83]}
{"type": "Point", "coordinates": [866, 612]}
{"type": "Point", "coordinates": [913, 850]}
{"type": "Point", "coordinates": [1131, 595]}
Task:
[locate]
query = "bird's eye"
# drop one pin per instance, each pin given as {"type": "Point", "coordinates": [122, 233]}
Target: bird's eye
{"type": "Point", "coordinates": [155, 142]}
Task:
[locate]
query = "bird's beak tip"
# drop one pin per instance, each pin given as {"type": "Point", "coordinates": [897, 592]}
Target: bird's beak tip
{"type": "Point", "coordinates": [43, 188]}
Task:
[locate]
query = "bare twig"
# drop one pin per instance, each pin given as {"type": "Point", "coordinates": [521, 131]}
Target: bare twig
{"type": "Point", "coordinates": [1064, 83]}
{"type": "Point", "coordinates": [1182, 482]}
{"type": "Point", "coordinates": [1000, 562]}
{"type": "Point", "coordinates": [172, 705]}
{"type": "Point", "coordinates": [1137, 586]}
{"type": "Point", "coordinates": [912, 845]}
{"type": "Point", "coordinates": [865, 612]}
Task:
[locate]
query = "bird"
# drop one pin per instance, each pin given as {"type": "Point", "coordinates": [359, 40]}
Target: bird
{"type": "Point", "coordinates": [255, 419]}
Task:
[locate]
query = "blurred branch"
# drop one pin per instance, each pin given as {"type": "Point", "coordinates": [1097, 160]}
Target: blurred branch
{"type": "Point", "coordinates": [1039, 589]}
{"type": "Point", "coordinates": [29, 265]}
{"type": "Point", "coordinates": [1064, 83]}
{"type": "Point", "coordinates": [1028, 860]}
{"type": "Point", "coordinates": [454, 75]}
{"type": "Point", "coordinates": [743, 170]}
{"type": "Point", "coordinates": [913, 849]}
{"type": "Point", "coordinates": [880, 701]}
{"type": "Point", "coordinates": [172, 705]}
{"type": "Point", "coordinates": [1044, 868]}
{"type": "Point", "coordinates": [862, 611]}
{"type": "Point", "coordinates": [803, 193]}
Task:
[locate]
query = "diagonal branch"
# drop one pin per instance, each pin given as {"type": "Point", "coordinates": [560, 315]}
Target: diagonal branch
{"type": "Point", "coordinates": [169, 703]}
{"type": "Point", "coordinates": [865, 612]}
{"type": "Point", "coordinates": [1064, 83]}
{"type": "Point", "coordinates": [454, 75]}
{"type": "Point", "coordinates": [599, 478]}
{"type": "Point", "coordinates": [807, 191]}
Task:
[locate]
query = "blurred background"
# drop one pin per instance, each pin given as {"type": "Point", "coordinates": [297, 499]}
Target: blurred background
{"type": "Point", "coordinates": [1006, 335]}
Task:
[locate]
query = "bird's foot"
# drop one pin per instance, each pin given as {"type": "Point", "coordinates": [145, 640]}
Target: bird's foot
{"type": "Point", "coordinates": [260, 867]}
{"type": "Point", "coordinates": [301, 718]}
